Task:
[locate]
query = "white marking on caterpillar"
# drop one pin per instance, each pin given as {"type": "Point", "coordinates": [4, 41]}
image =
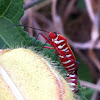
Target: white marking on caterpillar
{"type": "Point", "coordinates": [70, 65]}
{"type": "Point", "coordinates": [72, 79]}
{"type": "Point", "coordinates": [61, 46]}
{"type": "Point", "coordinates": [70, 69]}
{"type": "Point", "coordinates": [57, 42]}
{"type": "Point", "coordinates": [72, 89]}
{"type": "Point", "coordinates": [10, 83]}
{"type": "Point", "coordinates": [68, 61]}
{"type": "Point", "coordinates": [72, 75]}
{"type": "Point", "coordinates": [72, 84]}
{"type": "Point", "coordinates": [61, 56]}
{"type": "Point", "coordinates": [68, 55]}
{"type": "Point", "coordinates": [65, 49]}
{"type": "Point", "coordinates": [56, 38]}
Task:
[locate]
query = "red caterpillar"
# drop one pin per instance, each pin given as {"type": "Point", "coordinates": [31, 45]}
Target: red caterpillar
{"type": "Point", "coordinates": [62, 47]}
{"type": "Point", "coordinates": [66, 56]}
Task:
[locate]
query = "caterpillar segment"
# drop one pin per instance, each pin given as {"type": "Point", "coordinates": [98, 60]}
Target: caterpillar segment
{"type": "Point", "coordinates": [72, 80]}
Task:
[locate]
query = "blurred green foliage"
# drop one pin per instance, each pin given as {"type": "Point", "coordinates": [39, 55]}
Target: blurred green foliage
{"type": "Point", "coordinates": [12, 36]}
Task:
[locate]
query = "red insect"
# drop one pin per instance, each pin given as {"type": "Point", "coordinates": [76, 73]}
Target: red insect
{"type": "Point", "coordinates": [72, 80]}
{"type": "Point", "coordinates": [67, 58]}
{"type": "Point", "coordinates": [60, 44]}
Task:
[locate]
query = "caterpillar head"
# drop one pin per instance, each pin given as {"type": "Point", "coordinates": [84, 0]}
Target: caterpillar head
{"type": "Point", "coordinates": [52, 35]}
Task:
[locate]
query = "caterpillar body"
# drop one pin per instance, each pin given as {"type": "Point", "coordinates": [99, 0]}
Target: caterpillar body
{"type": "Point", "coordinates": [60, 44]}
{"type": "Point", "coordinates": [72, 80]}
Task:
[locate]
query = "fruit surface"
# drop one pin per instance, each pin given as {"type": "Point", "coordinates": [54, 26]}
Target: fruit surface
{"type": "Point", "coordinates": [25, 75]}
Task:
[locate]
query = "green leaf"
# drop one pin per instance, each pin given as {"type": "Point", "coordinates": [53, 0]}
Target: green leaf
{"type": "Point", "coordinates": [10, 13]}
{"type": "Point", "coordinates": [2, 44]}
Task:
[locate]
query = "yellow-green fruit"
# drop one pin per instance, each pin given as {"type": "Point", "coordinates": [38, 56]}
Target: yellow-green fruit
{"type": "Point", "coordinates": [25, 75]}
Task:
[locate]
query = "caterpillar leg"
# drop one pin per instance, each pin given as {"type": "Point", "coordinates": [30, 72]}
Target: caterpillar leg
{"type": "Point", "coordinates": [45, 46]}
{"type": "Point", "coordinates": [48, 47]}
{"type": "Point", "coordinates": [48, 40]}
{"type": "Point", "coordinates": [36, 38]}
{"type": "Point", "coordinates": [53, 49]}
